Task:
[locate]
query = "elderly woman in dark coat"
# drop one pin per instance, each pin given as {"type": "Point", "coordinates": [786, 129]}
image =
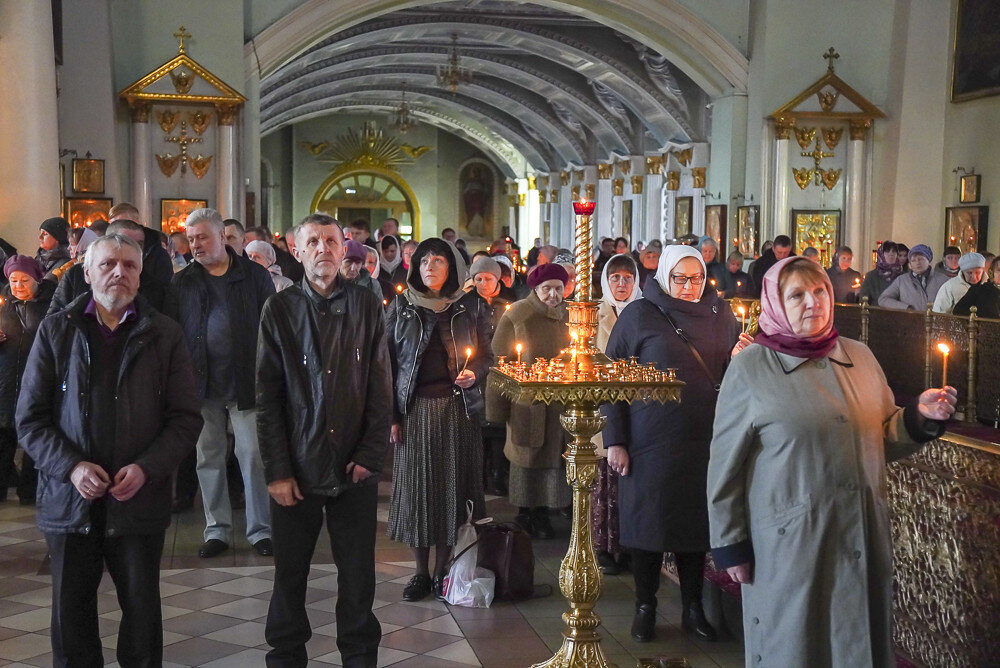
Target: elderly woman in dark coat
{"type": "Point", "coordinates": [23, 304]}
{"type": "Point", "coordinates": [535, 438]}
{"type": "Point", "coordinates": [797, 483]}
{"type": "Point", "coordinates": [661, 451]}
{"type": "Point", "coordinates": [432, 327]}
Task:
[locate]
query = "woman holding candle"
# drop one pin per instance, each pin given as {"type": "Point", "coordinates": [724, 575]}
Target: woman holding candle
{"type": "Point", "coordinates": [23, 304]}
{"type": "Point", "coordinates": [796, 480]}
{"type": "Point", "coordinates": [439, 344]}
{"type": "Point", "coordinates": [660, 451]}
{"type": "Point", "coordinates": [619, 287]}
{"type": "Point", "coordinates": [535, 438]}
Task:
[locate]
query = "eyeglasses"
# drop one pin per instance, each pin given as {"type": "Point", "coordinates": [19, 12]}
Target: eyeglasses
{"type": "Point", "coordinates": [680, 279]}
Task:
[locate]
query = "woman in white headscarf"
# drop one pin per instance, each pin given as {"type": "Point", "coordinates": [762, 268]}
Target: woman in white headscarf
{"type": "Point", "coordinates": [619, 288]}
{"type": "Point", "coordinates": [263, 254]}
{"type": "Point", "coordinates": [660, 451]}
{"type": "Point", "coordinates": [390, 256]}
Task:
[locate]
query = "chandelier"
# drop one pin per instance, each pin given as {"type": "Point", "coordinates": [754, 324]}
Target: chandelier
{"type": "Point", "coordinates": [450, 77]}
{"type": "Point", "coordinates": [402, 119]}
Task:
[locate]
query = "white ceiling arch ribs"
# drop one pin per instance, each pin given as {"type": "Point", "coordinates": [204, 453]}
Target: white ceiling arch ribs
{"type": "Point", "coordinates": [481, 96]}
{"type": "Point", "coordinates": [666, 26]}
{"type": "Point", "coordinates": [608, 130]}
{"type": "Point", "coordinates": [658, 113]}
{"type": "Point", "coordinates": [457, 114]}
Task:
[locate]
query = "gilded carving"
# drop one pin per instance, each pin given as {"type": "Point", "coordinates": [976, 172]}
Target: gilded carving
{"type": "Point", "coordinates": [182, 80]}
{"type": "Point", "coordinates": [200, 164]}
{"type": "Point", "coordinates": [654, 164]}
{"type": "Point", "coordinates": [625, 167]}
{"type": "Point", "coordinates": [832, 137]}
{"type": "Point", "coordinates": [532, 183]}
{"type": "Point", "coordinates": [828, 99]}
{"type": "Point", "coordinates": [167, 120]}
{"type": "Point", "coordinates": [698, 177]}
{"type": "Point", "coordinates": [564, 178]}
{"type": "Point", "coordinates": [604, 170]}
{"type": "Point", "coordinates": [578, 175]}
{"type": "Point", "coordinates": [554, 195]}
{"type": "Point", "coordinates": [511, 200]}
{"type": "Point", "coordinates": [414, 152]}
{"type": "Point", "coordinates": [805, 136]}
{"type": "Point", "coordinates": [637, 184]}
{"type": "Point", "coordinates": [543, 180]}
{"type": "Point", "coordinates": [588, 190]}
{"type": "Point", "coordinates": [684, 157]}
{"type": "Point", "coordinates": [673, 180]}
{"type": "Point", "coordinates": [803, 176]}
{"type": "Point", "coordinates": [227, 113]}
{"type": "Point", "coordinates": [541, 196]}
{"type": "Point", "coordinates": [830, 177]}
{"type": "Point", "coordinates": [783, 128]}
{"type": "Point", "coordinates": [859, 129]}
{"type": "Point", "coordinates": [140, 111]}
{"type": "Point", "coordinates": [168, 163]}
{"type": "Point", "coordinates": [199, 121]}
{"type": "Point", "coordinates": [575, 193]}
{"type": "Point", "coordinates": [618, 187]}
{"type": "Point", "coordinates": [522, 199]}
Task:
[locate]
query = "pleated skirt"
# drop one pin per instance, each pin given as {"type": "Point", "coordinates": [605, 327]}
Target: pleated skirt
{"type": "Point", "coordinates": [435, 471]}
{"type": "Point", "coordinates": [534, 488]}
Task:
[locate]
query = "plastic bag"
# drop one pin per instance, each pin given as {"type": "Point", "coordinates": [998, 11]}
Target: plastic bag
{"type": "Point", "coordinates": [467, 584]}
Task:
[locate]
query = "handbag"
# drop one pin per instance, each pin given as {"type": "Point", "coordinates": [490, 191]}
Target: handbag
{"type": "Point", "coordinates": [505, 549]}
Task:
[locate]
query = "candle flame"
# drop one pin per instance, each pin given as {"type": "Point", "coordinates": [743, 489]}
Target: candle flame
{"type": "Point", "coordinates": [712, 281]}
{"type": "Point", "coordinates": [399, 288]}
{"type": "Point", "coordinates": [742, 311]}
{"type": "Point", "coordinates": [507, 308]}
{"type": "Point", "coordinates": [518, 348]}
{"type": "Point", "coordinates": [943, 347]}
{"type": "Point", "coordinates": [385, 302]}
{"type": "Point", "coordinates": [468, 352]}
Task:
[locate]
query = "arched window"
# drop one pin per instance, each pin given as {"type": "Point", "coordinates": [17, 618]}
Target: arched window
{"type": "Point", "coordinates": [373, 195]}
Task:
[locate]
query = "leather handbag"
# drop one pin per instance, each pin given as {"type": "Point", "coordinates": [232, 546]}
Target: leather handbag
{"type": "Point", "coordinates": [505, 549]}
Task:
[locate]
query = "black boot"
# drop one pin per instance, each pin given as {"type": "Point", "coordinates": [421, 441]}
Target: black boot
{"type": "Point", "coordinates": [541, 526]}
{"type": "Point", "coordinates": [523, 520]}
{"type": "Point", "coordinates": [644, 623]}
{"type": "Point", "coordinates": [694, 623]}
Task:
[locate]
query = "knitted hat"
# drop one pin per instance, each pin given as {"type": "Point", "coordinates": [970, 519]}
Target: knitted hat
{"type": "Point", "coordinates": [547, 272]}
{"type": "Point", "coordinates": [57, 227]}
{"type": "Point", "coordinates": [971, 261]}
{"type": "Point", "coordinates": [923, 249]}
{"type": "Point", "coordinates": [28, 265]}
{"type": "Point", "coordinates": [356, 251]}
{"type": "Point", "coordinates": [486, 264]}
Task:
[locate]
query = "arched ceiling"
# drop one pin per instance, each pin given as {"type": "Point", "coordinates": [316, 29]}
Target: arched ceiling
{"type": "Point", "coordinates": [549, 88]}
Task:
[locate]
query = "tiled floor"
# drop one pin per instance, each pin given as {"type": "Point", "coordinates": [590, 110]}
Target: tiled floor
{"type": "Point", "coordinates": [214, 610]}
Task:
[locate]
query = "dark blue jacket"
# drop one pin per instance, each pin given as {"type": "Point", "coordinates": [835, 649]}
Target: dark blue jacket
{"type": "Point", "coordinates": [18, 321]}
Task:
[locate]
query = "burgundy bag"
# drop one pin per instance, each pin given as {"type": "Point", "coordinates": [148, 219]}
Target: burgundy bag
{"type": "Point", "coordinates": [505, 549]}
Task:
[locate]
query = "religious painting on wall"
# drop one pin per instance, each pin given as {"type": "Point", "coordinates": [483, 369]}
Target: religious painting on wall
{"type": "Point", "coordinates": [88, 175]}
{"type": "Point", "coordinates": [475, 187]}
{"type": "Point", "coordinates": [174, 212]}
{"type": "Point", "coordinates": [715, 225]}
{"type": "Point", "coordinates": [82, 211]}
{"type": "Point", "coordinates": [748, 230]}
{"type": "Point", "coordinates": [977, 50]}
{"type": "Point", "coordinates": [627, 221]}
{"type": "Point", "coordinates": [682, 216]}
{"type": "Point", "coordinates": [965, 227]}
{"type": "Point", "coordinates": [819, 229]}
{"type": "Point", "coordinates": [969, 190]}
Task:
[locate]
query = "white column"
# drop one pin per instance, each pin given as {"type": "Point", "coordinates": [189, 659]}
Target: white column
{"type": "Point", "coordinates": [604, 213]}
{"type": "Point", "coordinates": [777, 223]}
{"type": "Point", "coordinates": [568, 227]}
{"type": "Point", "coordinates": [512, 210]}
{"type": "Point", "coordinates": [669, 202]}
{"type": "Point", "coordinates": [854, 223]}
{"type": "Point", "coordinates": [654, 200]}
{"type": "Point", "coordinates": [142, 158]}
{"type": "Point", "coordinates": [29, 125]}
{"type": "Point", "coordinates": [698, 201]}
{"type": "Point", "coordinates": [225, 175]}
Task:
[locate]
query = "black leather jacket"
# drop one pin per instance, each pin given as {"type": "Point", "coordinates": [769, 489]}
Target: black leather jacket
{"type": "Point", "coordinates": [19, 320]}
{"type": "Point", "coordinates": [314, 416]}
{"type": "Point", "coordinates": [409, 329]}
{"type": "Point", "coordinates": [158, 419]}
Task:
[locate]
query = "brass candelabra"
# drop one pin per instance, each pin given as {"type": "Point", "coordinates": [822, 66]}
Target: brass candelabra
{"type": "Point", "coordinates": [581, 378]}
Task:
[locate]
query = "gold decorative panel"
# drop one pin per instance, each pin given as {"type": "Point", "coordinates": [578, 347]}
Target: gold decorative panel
{"type": "Point", "coordinates": [805, 136]}
{"type": "Point", "coordinates": [819, 229]}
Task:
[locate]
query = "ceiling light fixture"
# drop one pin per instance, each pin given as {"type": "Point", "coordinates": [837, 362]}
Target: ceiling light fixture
{"type": "Point", "coordinates": [402, 119]}
{"type": "Point", "coordinates": [452, 76]}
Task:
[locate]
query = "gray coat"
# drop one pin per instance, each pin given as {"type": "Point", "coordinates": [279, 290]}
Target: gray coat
{"type": "Point", "coordinates": [907, 292]}
{"type": "Point", "coordinates": [797, 487]}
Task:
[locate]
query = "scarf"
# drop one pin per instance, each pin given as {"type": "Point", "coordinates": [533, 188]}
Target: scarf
{"type": "Point", "coordinates": [441, 303]}
{"type": "Point", "coordinates": [668, 260]}
{"type": "Point", "coordinates": [776, 331]}
{"type": "Point", "coordinates": [884, 269]}
{"type": "Point", "coordinates": [606, 289]}
{"type": "Point", "coordinates": [388, 266]}
{"type": "Point", "coordinates": [378, 263]}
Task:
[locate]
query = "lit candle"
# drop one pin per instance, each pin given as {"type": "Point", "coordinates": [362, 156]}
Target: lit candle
{"type": "Point", "coordinates": [399, 287]}
{"type": "Point", "coordinates": [943, 347]}
{"type": "Point", "coordinates": [518, 348]}
{"type": "Point", "coordinates": [385, 302]}
{"type": "Point", "coordinates": [743, 316]}
{"type": "Point", "coordinates": [507, 308]}
{"type": "Point", "coordinates": [468, 356]}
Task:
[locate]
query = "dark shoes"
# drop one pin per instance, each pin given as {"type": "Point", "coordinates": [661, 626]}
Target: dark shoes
{"type": "Point", "coordinates": [418, 588]}
{"type": "Point", "coordinates": [438, 587]}
{"type": "Point", "coordinates": [644, 623]}
{"type": "Point", "coordinates": [541, 526]}
{"type": "Point", "coordinates": [523, 520]}
{"type": "Point", "coordinates": [695, 625]}
{"type": "Point", "coordinates": [264, 548]}
{"type": "Point", "coordinates": [212, 547]}
{"type": "Point", "coordinates": [608, 564]}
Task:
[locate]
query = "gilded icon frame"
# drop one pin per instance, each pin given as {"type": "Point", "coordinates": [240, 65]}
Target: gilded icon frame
{"type": "Point", "coordinates": [748, 230]}
{"type": "Point", "coordinates": [969, 190]}
{"type": "Point", "coordinates": [88, 175]}
{"type": "Point", "coordinates": [174, 211]}
{"type": "Point", "coordinates": [966, 227]}
{"type": "Point", "coordinates": [82, 211]}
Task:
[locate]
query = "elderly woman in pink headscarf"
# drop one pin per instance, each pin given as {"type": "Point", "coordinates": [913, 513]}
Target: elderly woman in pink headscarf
{"type": "Point", "coordinates": [796, 480]}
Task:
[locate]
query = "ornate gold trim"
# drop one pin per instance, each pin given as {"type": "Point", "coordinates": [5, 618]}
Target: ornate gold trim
{"type": "Point", "coordinates": [512, 201]}
{"type": "Point", "coordinates": [139, 111]}
{"type": "Point", "coordinates": [200, 164]}
{"type": "Point", "coordinates": [542, 196]}
{"type": "Point", "coordinates": [348, 168]}
{"type": "Point", "coordinates": [684, 157]}
{"type": "Point", "coordinates": [831, 136]}
{"type": "Point", "coordinates": [625, 167]}
{"type": "Point", "coordinates": [200, 121]}
{"type": "Point", "coordinates": [618, 187]}
{"type": "Point", "coordinates": [654, 164]}
{"type": "Point", "coordinates": [604, 170]}
{"type": "Point", "coordinates": [522, 199]}
{"type": "Point", "coordinates": [578, 175]}
{"type": "Point", "coordinates": [673, 180]}
{"type": "Point", "coordinates": [859, 129]}
{"type": "Point", "coordinates": [637, 182]}
{"type": "Point", "coordinates": [783, 128]}
{"type": "Point", "coordinates": [830, 177]}
{"type": "Point", "coordinates": [827, 101]}
{"type": "Point", "coordinates": [698, 177]}
{"type": "Point", "coordinates": [574, 193]}
{"type": "Point", "coordinates": [564, 178]}
{"type": "Point", "coordinates": [226, 113]}
{"type": "Point", "coordinates": [168, 163]}
{"type": "Point", "coordinates": [543, 181]}
{"type": "Point", "coordinates": [532, 183]}
{"type": "Point", "coordinates": [803, 176]}
{"type": "Point", "coordinates": [588, 189]}
{"type": "Point", "coordinates": [168, 120]}
{"type": "Point", "coordinates": [554, 195]}
{"type": "Point", "coordinates": [805, 136]}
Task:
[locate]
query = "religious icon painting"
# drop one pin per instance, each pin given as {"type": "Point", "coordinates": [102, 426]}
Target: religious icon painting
{"type": "Point", "coordinates": [682, 216]}
{"type": "Point", "coordinates": [83, 211]}
{"type": "Point", "coordinates": [969, 190]}
{"type": "Point", "coordinates": [476, 192]}
{"type": "Point", "coordinates": [715, 225]}
{"type": "Point", "coordinates": [88, 175]}
{"type": "Point", "coordinates": [748, 230]}
{"type": "Point", "coordinates": [174, 213]}
{"type": "Point", "coordinates": [819, 229]}
{"type": "Point", "coordinates": [965, 227]}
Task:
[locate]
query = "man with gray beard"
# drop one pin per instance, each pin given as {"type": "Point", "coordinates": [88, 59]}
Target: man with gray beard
{"type": "Point", "coordinates": [107, 410]}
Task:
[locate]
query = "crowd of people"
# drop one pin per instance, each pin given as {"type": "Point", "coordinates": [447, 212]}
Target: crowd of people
{"type": "Point", "coordinates": [274, 373]}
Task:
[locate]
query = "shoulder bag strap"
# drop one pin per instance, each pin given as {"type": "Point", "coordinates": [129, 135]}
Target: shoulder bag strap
{"type": "Point", "coordinates": [694, 351]}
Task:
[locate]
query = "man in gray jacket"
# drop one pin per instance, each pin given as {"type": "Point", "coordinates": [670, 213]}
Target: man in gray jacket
{"type": "Point", "coordinates": [916, 288]}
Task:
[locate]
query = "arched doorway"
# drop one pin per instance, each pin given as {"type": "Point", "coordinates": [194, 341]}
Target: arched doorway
{"type": "Point", "coordinates": [371, 194]}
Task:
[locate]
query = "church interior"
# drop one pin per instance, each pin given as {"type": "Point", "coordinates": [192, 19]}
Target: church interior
{"type": "Point", "coordinates": [843, 123]}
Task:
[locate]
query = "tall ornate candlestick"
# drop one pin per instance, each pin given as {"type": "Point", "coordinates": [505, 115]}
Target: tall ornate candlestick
{"type": "Point", "coordinates": [582, 378]}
